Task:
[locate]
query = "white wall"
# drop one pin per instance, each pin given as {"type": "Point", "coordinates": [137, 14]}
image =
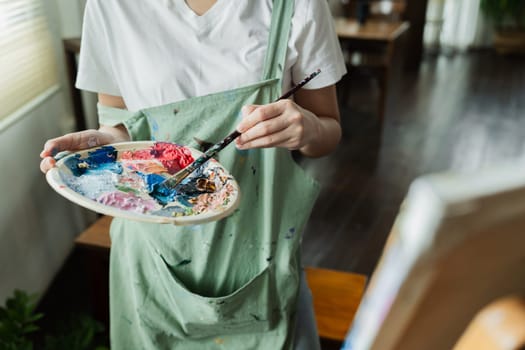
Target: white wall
{"type": "Point", "coordinates": [70, 17]}
{"type": "Point", "coordinates": [37, 226]}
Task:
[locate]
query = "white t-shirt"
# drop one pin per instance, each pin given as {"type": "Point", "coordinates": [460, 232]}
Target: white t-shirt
{"type": "Point", "coordinates": [156, 52]}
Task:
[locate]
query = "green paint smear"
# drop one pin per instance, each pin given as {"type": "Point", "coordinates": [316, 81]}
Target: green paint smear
{"type": "Point", "coordinates": [126, 189]}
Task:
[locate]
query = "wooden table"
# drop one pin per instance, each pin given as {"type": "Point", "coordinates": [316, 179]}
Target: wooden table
{"type": "Point", "coordinates": [376, 30]}
{"type": "Point", "coordinates": [374, 45]}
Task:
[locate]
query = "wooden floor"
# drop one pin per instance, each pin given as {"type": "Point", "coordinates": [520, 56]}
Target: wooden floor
{"type": "Point", "coordinates": [460, 113]}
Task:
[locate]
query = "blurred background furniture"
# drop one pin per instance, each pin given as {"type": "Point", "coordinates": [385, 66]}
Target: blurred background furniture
{"type": "Point", "coordinates": [371, 36]}
{"type": "Point", "coordinates": [336, 296]}
{"type": "Point", "coordinates": [456, 246]}
{"type": "Point", "coordinates": [498, 326]}
{"type": "Point", "coordinates": [71, 49]}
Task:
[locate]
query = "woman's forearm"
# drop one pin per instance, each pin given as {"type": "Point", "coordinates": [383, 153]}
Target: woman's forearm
{"type": "Point", "coordinates": [327, 137]}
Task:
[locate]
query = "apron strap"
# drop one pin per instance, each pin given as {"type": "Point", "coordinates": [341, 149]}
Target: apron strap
{"type": "Point", "coordinates": [275, 59]}
{"type": "Point", "coordinates": [135, 122]}
{"type": "Point", "coordinates": [111, 116]}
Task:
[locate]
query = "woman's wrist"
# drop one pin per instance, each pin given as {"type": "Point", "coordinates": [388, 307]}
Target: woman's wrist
{"type": "Point", "coordinates": [117, 133]}
{"type": "Point", "coordinates": [325, 134]}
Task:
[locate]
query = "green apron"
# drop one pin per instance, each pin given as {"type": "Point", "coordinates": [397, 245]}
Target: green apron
{"type": "Point", "coordinates": [230, 284]}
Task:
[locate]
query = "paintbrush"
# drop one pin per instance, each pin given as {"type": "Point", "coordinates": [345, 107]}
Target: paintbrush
{"type": "Point", "coordinates": [176, 179]}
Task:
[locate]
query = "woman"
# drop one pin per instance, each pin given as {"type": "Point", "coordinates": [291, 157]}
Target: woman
{"type": "Point", "coordinates": [241, 285]}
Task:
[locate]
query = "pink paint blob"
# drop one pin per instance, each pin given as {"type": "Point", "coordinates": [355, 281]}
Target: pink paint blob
{"type": "Point", "coordinates": [127, 201]}
{"type": "Point", "coordinates": [172, 156]}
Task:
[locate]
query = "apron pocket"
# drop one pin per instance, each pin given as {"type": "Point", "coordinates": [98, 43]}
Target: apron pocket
{"type": "Point", "coordinates": [169, 307]}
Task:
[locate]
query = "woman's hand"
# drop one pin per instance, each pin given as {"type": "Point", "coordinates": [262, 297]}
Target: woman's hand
{"type": "Point", "coordinates": [279, 124]}
{"type": "Point", "coordinates": [78, 141]}
{"type": "Point", "coordinates": [310, 124]}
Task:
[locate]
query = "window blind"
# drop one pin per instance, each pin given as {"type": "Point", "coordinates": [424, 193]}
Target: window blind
{"type": "Point", "coordinates": [27, 62]}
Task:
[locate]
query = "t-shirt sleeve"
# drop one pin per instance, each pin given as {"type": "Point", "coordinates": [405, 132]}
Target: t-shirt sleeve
{"type": "Point", "coordinates": [95, 71]}
{"type": "Point", "coordinates": [317, 45]}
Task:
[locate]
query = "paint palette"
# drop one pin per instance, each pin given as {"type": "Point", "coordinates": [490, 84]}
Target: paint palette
{"type": "Point", "coordinates": [123, 180]}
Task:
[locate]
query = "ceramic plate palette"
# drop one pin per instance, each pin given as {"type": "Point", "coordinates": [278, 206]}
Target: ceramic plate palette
{"type": "Point", "coordinates": [122, 180]}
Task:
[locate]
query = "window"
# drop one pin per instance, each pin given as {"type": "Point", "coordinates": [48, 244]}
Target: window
{"type": "Point", "coordinates": [27, 62]}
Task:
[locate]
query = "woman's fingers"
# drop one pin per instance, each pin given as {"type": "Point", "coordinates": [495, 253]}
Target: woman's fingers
{"type": "Point", "coordinates": [280, 124]}
{"type": "Point", "coordinates": [246, 110]}
{"type": "Point", "coordinates": [75, 141]}
{"type": "Point", "coordinates": [71, 142]}
{"type": "Point", "coordinates": [283, 138]}
{"type": "Point", "coordinates": [58, 144]}
{"type": "Point", "coordinates": [46, 164]}
{"type": "Point", "coordinates": [262, 129]}
{"type": "Point", "coordinates": [259, 114]}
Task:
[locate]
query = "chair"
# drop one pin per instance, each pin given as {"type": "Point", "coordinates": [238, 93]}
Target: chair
{"type": "Point", "coordinates": [498, 326]}
{"type": "Point", "coordinates": [336, 296]}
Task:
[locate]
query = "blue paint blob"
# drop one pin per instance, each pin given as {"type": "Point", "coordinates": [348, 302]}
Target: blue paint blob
{"type": "Point", "coordinates": [101, 159]}
{"type": "Point", "coordinates": [290, 233]}
{"type": "Point", "coordinates": [187, 189]}
{"type": "Point", "coordinates": [112, 167]}
{"type": "Point", "coordinates": [163, 194]}
{"type": "Point", "coordinates": [154, 125]}
{"type": "Point", "coordinates": [102, 155]}
{"type": "Point", "coordinates": [152, 180]}
{"type": "Point", "coordinates": [170, 211]}
{"type": "Point", "coordinates": [184, 200]}
{"type": "Point", "coordinates": [72, 164]}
